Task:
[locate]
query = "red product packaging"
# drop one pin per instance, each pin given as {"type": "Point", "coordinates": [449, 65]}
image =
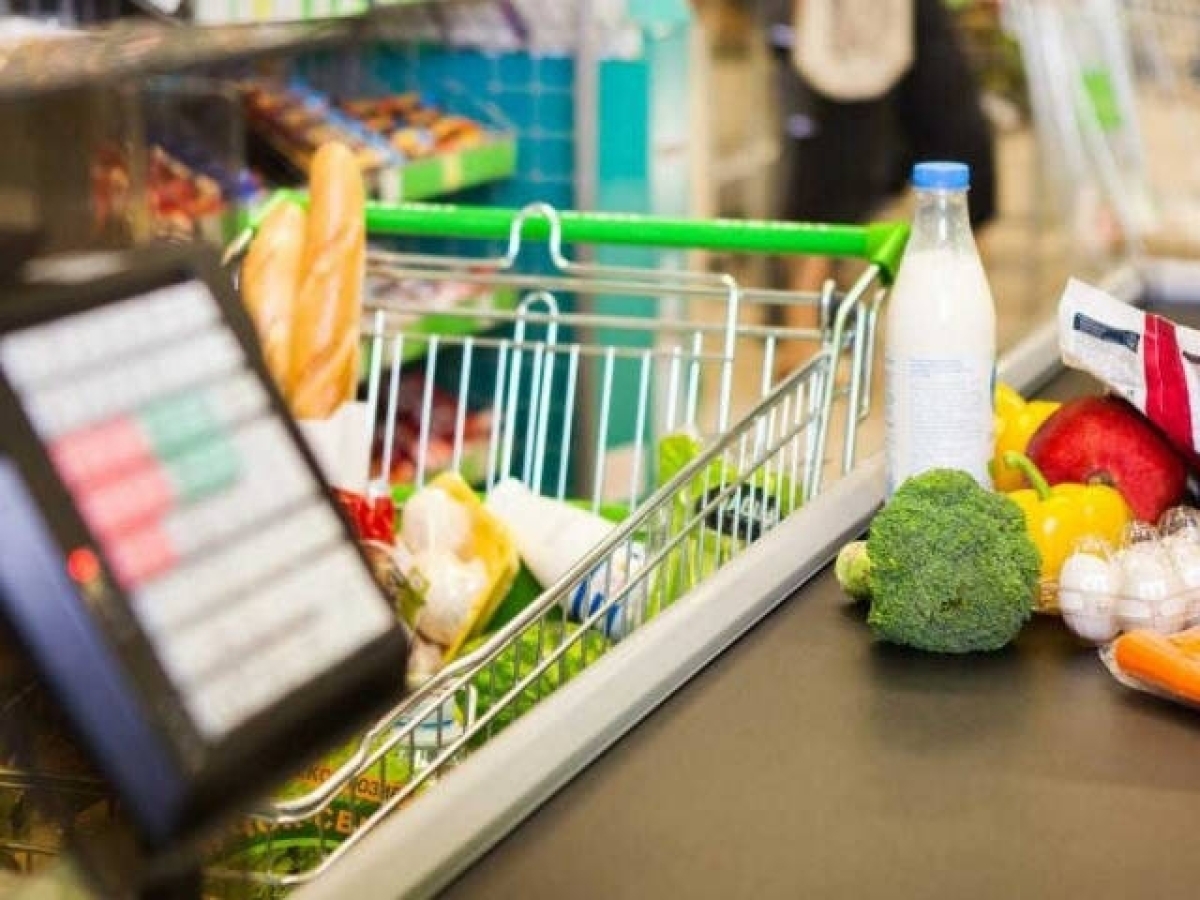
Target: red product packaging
{"type": "Point", "coordinates": [1146, 359]}
{"type": "Point", "coordinates": [373, 520]}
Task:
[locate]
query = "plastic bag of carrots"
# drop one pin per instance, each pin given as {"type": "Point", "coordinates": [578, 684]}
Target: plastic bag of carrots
{"type": "Point", "coordinates": [1165, 665]}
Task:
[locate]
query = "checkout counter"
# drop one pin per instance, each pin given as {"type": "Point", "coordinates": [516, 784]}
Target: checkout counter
{"type": "Point", "coordinates": [792, 755]}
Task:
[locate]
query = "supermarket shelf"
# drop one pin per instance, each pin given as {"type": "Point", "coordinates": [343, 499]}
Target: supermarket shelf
{"type": "Point", "coordinates": [437, 176]}
{"type": "Point", "coordinates": [135, 47]}
{"type": "Point", "coordinates": [128, 47]}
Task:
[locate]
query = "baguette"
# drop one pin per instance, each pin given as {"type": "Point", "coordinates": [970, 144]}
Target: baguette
{"type": "Point", "coordinates": [270, 280]}
{"type": "Point", "coordinates": [325, 332]}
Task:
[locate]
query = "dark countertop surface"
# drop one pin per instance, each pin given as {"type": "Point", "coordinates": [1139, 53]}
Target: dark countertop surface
{"type": "Point", "coordinates": [811, 761]}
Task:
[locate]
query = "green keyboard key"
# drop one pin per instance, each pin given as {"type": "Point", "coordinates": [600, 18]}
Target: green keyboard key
{"type": "Point", "coordinates": [205, 469]}
{"type": "Point", "coordinates": [176, 424]}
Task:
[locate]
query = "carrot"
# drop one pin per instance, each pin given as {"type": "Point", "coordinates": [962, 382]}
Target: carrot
{"type": "Point", "coordinates": [1187, 641]}
{"type": "Point", "coordinates": [1155, 660]}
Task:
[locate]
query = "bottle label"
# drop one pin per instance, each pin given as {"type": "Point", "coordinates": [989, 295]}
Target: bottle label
{"type": "Point", "coordinates": [939, 415]}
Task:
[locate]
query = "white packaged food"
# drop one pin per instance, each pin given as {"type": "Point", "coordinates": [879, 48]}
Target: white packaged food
{"type": "Point", "coordinates": [1146, 359]}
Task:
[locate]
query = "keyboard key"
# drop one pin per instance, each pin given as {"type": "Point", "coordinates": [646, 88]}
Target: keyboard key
{"type": "Point", "coordinates": [138, 557]}
{"type": "Point", "coordinates": [176, 423]}
{"type": "Point", "coordinates": [119, 507]}
{"type": "Point", "coordinates": [205, 469]}
{"type": "Point", "coordinates": [101, 452]}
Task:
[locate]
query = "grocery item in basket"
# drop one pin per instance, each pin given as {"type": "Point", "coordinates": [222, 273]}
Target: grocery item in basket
{"type": "Point", "coordinates": [325, 331]}
{"type": "Point", "coordinates": [952, 566]}
{"type": "Point", "coordinates": [270, 278]}
{"type": "Point", "coordinates": [553, 537]}
{"type": "Point", "coordinates": [373, 519]}
{"type": "Point", "coordinates": [433, 520]}
{"type": "Point", "coordinates": [521, 656]}
{"type": "Point", "coordinates": [317, 372]}
{"type": "Point", "coordinates": [1167, 666]}
{"type": "Point", "coordinates": [427, 436]}
{"type": "Point", "coordinates": [449, 587]}
{"type": "Point", "coordinates": [459, 558]}
{"type": "Point", "coordinates": [388, 572]}
{"type": "Point", "coordinates": [281, 849]}
{"type": "Point", "coordinates": [425, 660]}
{"type": "Point", "coordinates": [1147, 359]}
{"type": "Point", "coordinates": [733, 508]}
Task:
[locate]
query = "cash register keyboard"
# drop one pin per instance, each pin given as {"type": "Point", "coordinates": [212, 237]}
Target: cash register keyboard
{"type": "Point", "coordinates": [234, 564]}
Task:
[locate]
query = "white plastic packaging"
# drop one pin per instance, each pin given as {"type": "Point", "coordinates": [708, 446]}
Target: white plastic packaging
{"type": "Point", "coordinates": [941, 339]}
{"type": "Point", "coordinates": [552, 537]}
{"type": "Point", "coordinates": [1088, 584]}
{"type": "Point", "coordinates": [1151, 581]}
{"type": "Point", "coordinates": [1142, 357]}
{"type": "Point", "coordinates": [341, 445]}
{"type": "Point", "coordinates": [433, 520]}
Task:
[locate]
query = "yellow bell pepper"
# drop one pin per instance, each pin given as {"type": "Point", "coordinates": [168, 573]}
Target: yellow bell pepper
{"type": "Point", "coordinates": [1016, 421]}
{"type": "Point", "coordinates": [1058, 517]}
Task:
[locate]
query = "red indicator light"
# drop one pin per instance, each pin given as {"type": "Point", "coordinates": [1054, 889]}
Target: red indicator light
{"type": "Point", "coordinates": [82, 565]}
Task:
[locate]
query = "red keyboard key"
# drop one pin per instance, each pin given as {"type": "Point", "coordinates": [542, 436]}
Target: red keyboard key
{"type": "Point", "coordinates": [100, 452]}
{"type": "Point", "coordinates": [136, 558]}
{"type": "Point", "coordinates": [121, 506]}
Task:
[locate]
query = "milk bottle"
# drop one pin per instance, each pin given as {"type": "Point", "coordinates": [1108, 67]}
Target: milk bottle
{"type": "Point", "coordinates": [941, 338]}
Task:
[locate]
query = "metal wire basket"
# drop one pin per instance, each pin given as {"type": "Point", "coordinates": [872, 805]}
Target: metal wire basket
{"type": "Point", "coordinates": [647, 394]}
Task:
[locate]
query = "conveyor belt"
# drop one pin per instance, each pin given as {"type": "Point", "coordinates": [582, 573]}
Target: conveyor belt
{"type": "Point", "coordinates": [809, 761]}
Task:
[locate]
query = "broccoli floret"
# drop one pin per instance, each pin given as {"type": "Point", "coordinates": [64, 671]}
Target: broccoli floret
{"type": "Point", "coordinates": [952, 568]}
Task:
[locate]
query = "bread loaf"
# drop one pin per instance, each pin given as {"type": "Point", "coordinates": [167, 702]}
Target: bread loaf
{"type": "Point", "coordinates": [325, 330]}
{"type": "Point", "coordinates": [270, 280]}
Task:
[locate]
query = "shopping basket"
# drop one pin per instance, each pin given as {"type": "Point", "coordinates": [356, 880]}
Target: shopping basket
{"type": "Point", "coordinates": [667, 418]}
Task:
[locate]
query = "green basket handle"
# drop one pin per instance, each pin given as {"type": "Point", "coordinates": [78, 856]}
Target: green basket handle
{"type": "Point", "coordinates": [880, 244]}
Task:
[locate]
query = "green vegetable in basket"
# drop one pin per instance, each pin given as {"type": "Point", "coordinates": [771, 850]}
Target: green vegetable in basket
{"type": "Point", "coordinates": [299, 847]}
{"type": "Point", "coordinates": [735, 507]}
{"type": "Point", "coordinates": [522, 656]}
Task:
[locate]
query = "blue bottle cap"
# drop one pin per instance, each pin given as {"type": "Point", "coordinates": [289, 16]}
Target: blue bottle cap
{"type": "Point", "coordinates": [941, 176]}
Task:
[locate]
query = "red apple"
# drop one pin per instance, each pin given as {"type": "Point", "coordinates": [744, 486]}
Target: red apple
{"type": "Point", "coordinates": [1105, 439]}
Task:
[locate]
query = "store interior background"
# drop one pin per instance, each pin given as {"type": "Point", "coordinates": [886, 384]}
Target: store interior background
{"type": "Point", "coordinates": [731, 143]}
{"type": "Point", "coordinates": [1027, 256]}
{"type": "Point", "coordinates": [1028, 250]}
